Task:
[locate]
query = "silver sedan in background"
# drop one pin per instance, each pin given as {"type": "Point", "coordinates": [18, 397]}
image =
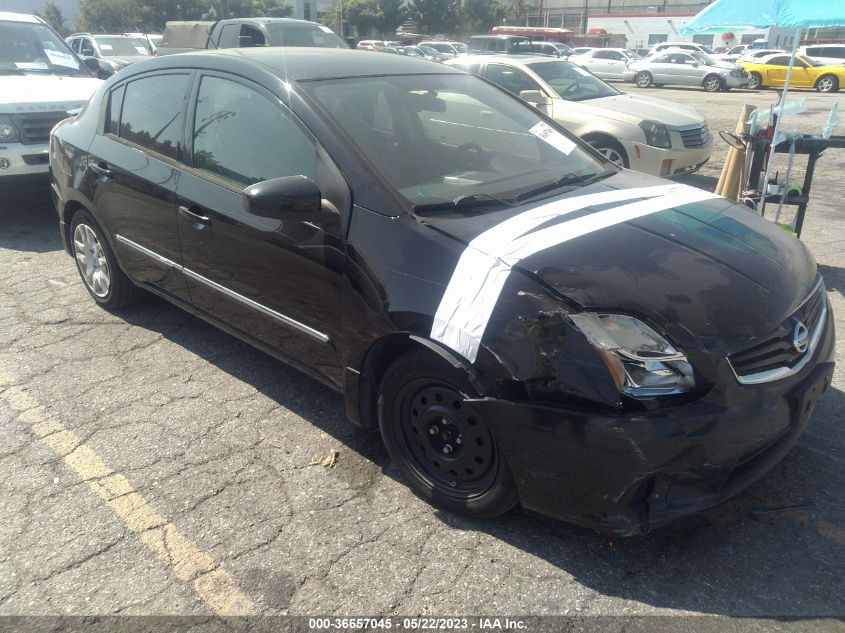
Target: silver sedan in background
{"type": "Point", "coordinates": [685, 68]}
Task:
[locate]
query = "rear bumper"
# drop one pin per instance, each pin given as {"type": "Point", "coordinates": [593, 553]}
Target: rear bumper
{"type": "Point", "coordinates": [629, 473]}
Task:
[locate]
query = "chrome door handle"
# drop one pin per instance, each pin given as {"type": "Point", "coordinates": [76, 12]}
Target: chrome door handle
{"type": "Point", "coordinates": [101, 169]}
{"type": "Point", "coordinates": [196, 217]}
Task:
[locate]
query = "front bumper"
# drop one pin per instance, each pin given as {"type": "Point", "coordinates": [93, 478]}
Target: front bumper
{"type": "Point", "coordinates": [666, 162]}
{"type": "Point", "coordinates": [628, 473]}
{"type": "Point", "coordinates": [737, 82]}
{"type": "Point", "coordinates": [28, 166]}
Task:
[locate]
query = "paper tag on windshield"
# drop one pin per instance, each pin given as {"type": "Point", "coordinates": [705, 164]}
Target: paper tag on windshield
{"type": "Point", "coordinates": [31, 66]}
{"type": "Point", "coordinates": [106, 47]}
{"type": "Point", "coordinates": [326, 29]}
{"type": "Point", "coordinates": [58, 58]}
{"type": "Point", "coordinates": [141, 50]}
{"type": "Point", "coordinates": [553, 138]}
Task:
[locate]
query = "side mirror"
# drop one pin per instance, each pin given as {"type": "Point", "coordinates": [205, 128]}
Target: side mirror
{"type": "Point", "coordinates": [288, 198]}
{"type": "Point", "coordinates": [535, 98]}
{"type": "Point", "coordinates": [92, 63]}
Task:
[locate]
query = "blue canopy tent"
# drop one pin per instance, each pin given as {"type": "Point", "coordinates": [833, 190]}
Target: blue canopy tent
{"type": "Point", "coordinates": [736, 15]}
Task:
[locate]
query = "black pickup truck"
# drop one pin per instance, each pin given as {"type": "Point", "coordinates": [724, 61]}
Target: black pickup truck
{"type": "Point", "coordinates": [181, 37]}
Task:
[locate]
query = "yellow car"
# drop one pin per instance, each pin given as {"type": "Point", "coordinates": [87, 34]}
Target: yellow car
{"type": "Point", "coordinates": [770, 71]}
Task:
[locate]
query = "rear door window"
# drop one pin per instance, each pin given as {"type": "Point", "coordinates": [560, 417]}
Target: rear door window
{"type": "Point", "coordinates": [153, 112]}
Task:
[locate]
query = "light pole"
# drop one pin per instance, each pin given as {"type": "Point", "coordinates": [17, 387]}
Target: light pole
{"type": "Point", "coordinates": [340, 2]}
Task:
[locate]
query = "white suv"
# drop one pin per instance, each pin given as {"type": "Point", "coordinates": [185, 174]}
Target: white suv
{"type": "Point", "coordinates": [827, 54]}
{"type": "Point", "coordinates": [41, 82]}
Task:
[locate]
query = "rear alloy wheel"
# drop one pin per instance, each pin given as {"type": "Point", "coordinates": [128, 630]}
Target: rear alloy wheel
{"type": "Point", "coordinates": [712, 83]}
{"type": "Point", "coordinates": [756, 81]}
{"type": "Point", "coordinates": [827, 83]}
{"type": "Point", "coordinates": [103, 278]}
{"type": "Point", "coordinates": [643, 79]}
{"type": "Point", "coordinates": [447, 454]}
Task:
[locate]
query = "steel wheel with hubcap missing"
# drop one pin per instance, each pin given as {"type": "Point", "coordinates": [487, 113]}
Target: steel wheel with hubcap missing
{"type": "Point", "coordinates": [446, 452]}
{"type": "Point", "coordinates": [91, 260]}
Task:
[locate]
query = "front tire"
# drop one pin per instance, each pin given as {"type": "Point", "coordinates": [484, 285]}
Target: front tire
{"type": "Point", "coordinates": [611, 150]}
{"type": "Point", "coordinates": [104, 280]}
{"type": "Point", "coordinates": [756, 81]}
{"type": "Point", "coordinates": [827, 83]}
{"type": "Point", "coordinates": [643, 79]}
{"type": "Point", "coordinates": [712, 83]}
{"type": "Point", "coordinates": [448, 455]}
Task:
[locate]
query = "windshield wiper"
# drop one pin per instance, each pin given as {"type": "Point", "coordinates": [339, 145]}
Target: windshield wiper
{"type": "Point", "coordinates": [565, 181]}
{"type": "Point", "coordinates": [464, 200]}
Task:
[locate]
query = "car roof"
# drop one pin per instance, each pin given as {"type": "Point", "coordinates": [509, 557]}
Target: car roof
{"type": "Point", "coordinates": [508, 60]}
{"type": "Point", "coordinates": [298, 63]}
{"type": "Point", "coordinates": [266, 20]}
{"type": "Point", "coordinates": [20, 17]}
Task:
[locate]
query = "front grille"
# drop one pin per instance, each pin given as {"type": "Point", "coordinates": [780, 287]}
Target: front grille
{"type": "Point", "coordinates": [35, 127]}
{"type": "Point", "coordinates": [695, 137]}
{"type": "Point", "coordinates": [778, 351]}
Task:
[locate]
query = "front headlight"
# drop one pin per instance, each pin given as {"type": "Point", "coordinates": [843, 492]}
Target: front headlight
{"type": "Point", "coordinates": [656, 134]}
{"type": "Point", "coordinates": [642, 363]}
{"type": "Point", "coordinates": [8, 132]}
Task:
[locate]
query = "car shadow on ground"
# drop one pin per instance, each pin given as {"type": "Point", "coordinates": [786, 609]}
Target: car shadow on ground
{"type": "Point", "coordinates": [776, 549]}
{"type": "Point", "coordinates": [29, 223]}
{"type": "Point", "coordinates": [834, 277]}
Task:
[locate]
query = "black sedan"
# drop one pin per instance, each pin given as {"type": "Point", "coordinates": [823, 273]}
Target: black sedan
{"type": "Point", "coordinates": [524, 321]}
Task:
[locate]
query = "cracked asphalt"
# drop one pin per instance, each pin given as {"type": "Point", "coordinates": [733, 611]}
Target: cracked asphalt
{"type": "Point", "coordinates": [152, 465]}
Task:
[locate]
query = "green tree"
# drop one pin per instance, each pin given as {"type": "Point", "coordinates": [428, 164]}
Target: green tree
{"type": "Point", "coordinates": [479, 16]}
{"type": "Point", "coordinates": [53, 16]}
{"type": "Point", "coordinates": [107, 15]}
{"type": "Point", "coordinates": [435, 16]}
{"type": "Point", "coordinates": [516, 11]}
{"type": "Point", "coordinates": [394, 12]}
{"type": "Point", "coordinates": [253, 8]}
{"type": "Point", "coordinates": [360, 17]}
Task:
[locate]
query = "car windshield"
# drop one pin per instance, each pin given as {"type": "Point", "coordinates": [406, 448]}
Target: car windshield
{"type": "Point", "coordinates": [572, 82]}
{"type": "Point", "coordinates": [440, 138]}
{"type": "Point", "coordinates": [291, 34]}
{"type": "Point", "coordinates": [631, 55]}
{"type": "Point", "coordinates": [29, 48]}
{"type": "Point", "coordinates": [461, 48]}
{"type": "Point", "coordinates": [121, 46]}
{"type": "Point", "coordinates": [708, 50]}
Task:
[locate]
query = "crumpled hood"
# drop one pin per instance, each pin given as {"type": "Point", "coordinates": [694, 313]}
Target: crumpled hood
{"type": "Point", "coordinates": [713, 274]}
{"type": "Point", "coordinates": [633, 109]}
{"type": "Point", "coordinates": [44, 93]}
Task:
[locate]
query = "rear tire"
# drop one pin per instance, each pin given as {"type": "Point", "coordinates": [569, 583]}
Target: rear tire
{"type": "Point", "coordinates": [102, 276]}
{"type": "Point", "coordinates": [446, 454]}
{"type": "Point", "coordinates": [712, 83]}
{"type": "Point", "coordinates": [643, 79]}
{"type": "Point", "coordinates": [827, 83]}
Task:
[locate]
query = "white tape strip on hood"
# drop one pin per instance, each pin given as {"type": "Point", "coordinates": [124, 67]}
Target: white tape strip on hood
{"type": "Point", "coordinates": [484, 266]}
